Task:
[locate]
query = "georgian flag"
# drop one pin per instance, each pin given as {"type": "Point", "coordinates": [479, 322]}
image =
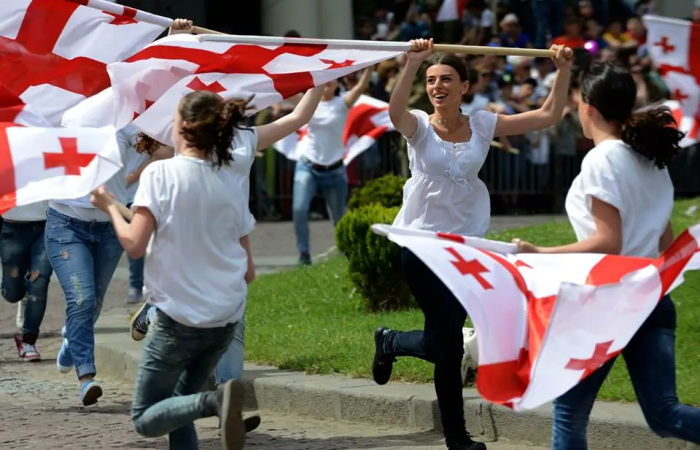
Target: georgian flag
{"type": "Point", "coordinates": [367, 121]}
{"type": "Point", "coordinates": [38, 164]}
{"type": "Point", "coordinates": [451, 10]}
{"type": "Point", "coordinates": [545, 322]}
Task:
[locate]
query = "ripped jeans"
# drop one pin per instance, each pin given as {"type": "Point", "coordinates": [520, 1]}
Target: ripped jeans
{"type": "Point", "coordinates": [26, 270]}
{"type": "Point", "coordinates": [84, 256]}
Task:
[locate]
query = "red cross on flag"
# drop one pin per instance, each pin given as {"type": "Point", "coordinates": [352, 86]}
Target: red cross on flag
{"type": "Point", "coordinates": [545, 322]}
{"type": "Point", "coordinates": [367, 121]}
{"type": "Point", "coordinates": [148, 86]}
{"type": "Point", "coordinates": [451, 10]}
{"type": "Point", "coordinates": [38, 164]}
{"type": "Point", "coordinates": [53, 53]}
{"type": "Point", "coordinates": [674, 47]}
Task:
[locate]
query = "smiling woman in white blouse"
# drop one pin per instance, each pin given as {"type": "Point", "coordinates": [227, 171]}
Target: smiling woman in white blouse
{"type": "Point", "coordinates": [446, 150]}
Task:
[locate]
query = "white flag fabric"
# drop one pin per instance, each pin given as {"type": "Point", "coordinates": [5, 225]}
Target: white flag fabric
{"type": "Point", "coordinates": [545, 322]}
{"type": "Point", "coordinates": [147, 87]}
{"type": "Point", "coordinates": [451, 10]}
{"type": "Point", "coordinates": [367, 121]}
{"type": "Point", "coordinates": [38, 164]}
{"type": "Point", "coordinates": [674, 47]}
{"type": "Point", "coordinates": [54, 53]}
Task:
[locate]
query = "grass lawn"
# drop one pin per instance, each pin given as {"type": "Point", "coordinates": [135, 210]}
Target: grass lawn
{"type": "Point", "coordinates": [311, 320]}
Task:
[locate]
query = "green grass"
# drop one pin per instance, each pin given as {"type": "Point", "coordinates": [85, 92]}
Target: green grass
{"type": "Point", "coordinates": [311, 320]}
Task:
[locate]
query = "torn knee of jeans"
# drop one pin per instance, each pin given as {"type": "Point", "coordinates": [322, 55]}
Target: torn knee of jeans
{"type": "Point", "coordinates": [34, 275]}
{"type": "Point", "coordinates": [14, 273]}
{"type": "Point", "coordinates": [77, 287]}
{"type": "Point", "coordinates": [64, 254]}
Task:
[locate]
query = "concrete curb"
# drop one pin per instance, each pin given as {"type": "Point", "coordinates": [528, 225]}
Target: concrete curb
{"type": "Point", "coordinates": [613, 426]}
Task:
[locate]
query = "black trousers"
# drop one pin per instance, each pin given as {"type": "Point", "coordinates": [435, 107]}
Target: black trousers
{"type": "Point", "coordinates": [440, 342]}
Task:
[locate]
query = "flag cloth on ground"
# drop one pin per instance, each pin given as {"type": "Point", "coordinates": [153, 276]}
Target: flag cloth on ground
{"type": "Point", "coordinates": [674, 48]}
{"type": "Point", "coordinates": [38, 164]}
{"type": "Point", "coordinates": [545, 322]}
{"type": "Point", "coordinates": [147, 87]}
{"type": "Point", "coordinates": [367, 121]}
{"type": "Point", "coordinates": [451, 10]}
{"type": "Point", "coordinates": [54, 53]}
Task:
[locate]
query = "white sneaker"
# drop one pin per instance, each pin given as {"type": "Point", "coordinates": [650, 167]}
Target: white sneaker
{"type": "Point", "coordinates": [21, 306]}
{"type": "Point", "coordinates": [470, 360]}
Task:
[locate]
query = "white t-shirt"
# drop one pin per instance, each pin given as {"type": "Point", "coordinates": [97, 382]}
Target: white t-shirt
{"type": "Point", "coordinates": [479, 103]}
{"type": "Point", "coordinates": [444, 192]}
{"type": "Point", "coordinates": [324, 142]}
{"type": "Point", "coordinates": [195, 265]}
{"type": "Point", "coordinates": [35, 212]}
{"type": "Point", "coordinates": [615, 174]}
{"type": "Point", "coordinates": [81, 208]}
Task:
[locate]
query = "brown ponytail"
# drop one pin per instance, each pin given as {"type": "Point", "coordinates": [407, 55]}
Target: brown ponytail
{"type": "Point", "coordinates": [146, 144]}
{"type": "Point", "coordinates": [210, 123]}
{"type": "Point", "coordinates": [653, 133]}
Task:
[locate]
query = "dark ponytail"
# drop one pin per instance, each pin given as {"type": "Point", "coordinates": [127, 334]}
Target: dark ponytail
{"type": "Point", "coordinates": [146, 144]}
{"type": "Point", "coordinates": [653, 133]}
{"type": "Point", "coordinates": [210, 123]}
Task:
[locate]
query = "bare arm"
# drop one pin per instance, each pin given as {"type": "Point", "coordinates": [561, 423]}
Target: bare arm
{"type": "Point", "coordinates": [133, 236]}
{"type": "Point", "coordinates": [284, 126]}
{"type": "Point", "coordinates": [250, 273]}
{"type": "Point", "coordinates": [360, 88]}
{"type": "Point", "coordinates": [607, 239]}
{"type": "Point", "coordinates": [404, 122]}
{"type": "Point", "coordinates": [666, 239]}
{"type": "Point", "coordinates": [552, 109]}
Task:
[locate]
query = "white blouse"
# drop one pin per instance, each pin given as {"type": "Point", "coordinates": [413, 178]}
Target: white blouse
{"type": "Point", "coordinates": [444, 193]}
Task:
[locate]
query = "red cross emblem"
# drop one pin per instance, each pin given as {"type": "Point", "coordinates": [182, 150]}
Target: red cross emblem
{"type": "Point", "coordinates": [69, 159]}
{"type": "Point", "coordinates": [29, 60]}
{"type": "Point", "coordinates": [472, 267]}
{"type": "Point", "coordinates": [665, 46]}
{"type": "Point", "coordinates": [600, 356]}
{"type": "Point", "coordinates": [337, 65]}
{"type": "Point", "coordinates": [679, 95]}
{"type": "Point", "coordinates": [198, 85]}
{"type": "Point", "coordinates": [301, 133]}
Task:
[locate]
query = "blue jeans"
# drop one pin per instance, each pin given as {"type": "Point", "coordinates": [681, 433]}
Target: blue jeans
{"type": "Point", "coordinates": [651, 363]}
{"type": "Point", "coordinates": [549, 20]}
{"type": "Point", "coordinates": [334, 188]}
{"type": "Point", "coordinates": [135, 270]}
{"type": "Point", "coordinates": [26, 270]}
{"type": "Point", "coordinates": [84, 256]}
{"type": "Point", "coordinates": [176, 364]}
{"type": "Point", "coordinates": [230, 366]}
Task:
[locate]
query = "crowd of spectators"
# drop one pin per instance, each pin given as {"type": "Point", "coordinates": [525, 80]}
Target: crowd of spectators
{"type": "Point", "coordinates": [539, 162]}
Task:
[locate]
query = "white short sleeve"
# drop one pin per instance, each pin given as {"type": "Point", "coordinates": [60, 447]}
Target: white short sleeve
{"type": "Point", "coordinates": [599, 180]}
{"type": "Point", "coordinates": [422, 130]}
{"type": "Point", "coordinates": [486, 18]}
{"type": "Point", "coordinates": [245, 142]}
{"type": "Point", "coordinates": [248, 223]}
{"type": "Point", "coordinates": [484, 126]}
{"type": "Point", "coordinates": [150, 192]}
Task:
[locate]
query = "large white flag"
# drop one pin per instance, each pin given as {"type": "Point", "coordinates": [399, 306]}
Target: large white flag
{"type": "Point", "coordinates": [545, 322]}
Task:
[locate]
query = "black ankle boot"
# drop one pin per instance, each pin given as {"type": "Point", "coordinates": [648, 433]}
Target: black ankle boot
{"type": "Point", "coordinates": [212, 402]}
{"type": "Point", "coordinates": [465, 443]}
{"type": "Point", "coordinates": [383, 362]}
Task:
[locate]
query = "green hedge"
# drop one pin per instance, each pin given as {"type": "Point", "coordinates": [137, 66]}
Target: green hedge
{"type": "Point", "coordinates": [386, 191]}
{"type": "Point", "coordinates": [374, 261]}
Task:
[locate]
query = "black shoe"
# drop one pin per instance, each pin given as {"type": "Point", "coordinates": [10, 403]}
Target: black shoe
{"type": "Point", "coordinates": [251, 422]}
{"type": "Point", "coordinates": [383, 362]}
{"type": "Point", "coordinates": [466, 444]}
{"type": "Point", "coordinates": [304, 260]}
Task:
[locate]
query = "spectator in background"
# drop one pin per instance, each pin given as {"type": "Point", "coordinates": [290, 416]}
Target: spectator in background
{"type": "Point", "coordinates": [572, 36]}
{"type": "Point", "coordinates": [476, 22]}
{"type": "Point", "coordinates": [416, 25]}
{"type": "Point", "coordinates": [585, 10]}
{"type": "Point", "coordinates": [646, 7]}
{"type": "Point", "coordinates": [548, 14]}
{"type": "Point", "coordinates": [616, 38]}
{"type": "Point", "coordinates": [695, 17]}
{"type": "Point", "coordinates": [543, 72]}
{"type": "Point", "coordinates": [512, 35]}
{"type": "Point", "coordinates": [594, 33]}
{"type": "Point", "coordinates": [363, 29]}
{"type": "Point", "coordinates": [636, 32]}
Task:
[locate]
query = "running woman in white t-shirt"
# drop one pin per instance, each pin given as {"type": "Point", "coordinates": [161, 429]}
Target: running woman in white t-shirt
{"type": "Point", "coordinates": [446, 150]}
{"type": "Point", "coordinates": [191, 220]}
{"type": "Point", "coordinates": [321, 163]}
{"type": "Point", "coordinates": [621, 204]}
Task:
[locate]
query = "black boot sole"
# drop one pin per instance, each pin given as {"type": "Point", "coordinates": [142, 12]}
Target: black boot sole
{"type": "Point", "coordinates": [382, 365]}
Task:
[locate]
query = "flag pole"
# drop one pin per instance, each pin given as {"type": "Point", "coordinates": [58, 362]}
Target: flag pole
{"type": "Point", "coordinates": [137, 14]}
{"type": "Point", "coordinates": [124, 211]}
{"type": "Point", "coordinates": [378, 45]}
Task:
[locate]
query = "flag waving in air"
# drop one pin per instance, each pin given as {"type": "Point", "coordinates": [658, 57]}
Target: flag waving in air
{"type": "Point", "coordinates": [147, 87]}
{"type": "Point", "coordinates": [38, 164]}
{"type": "Point", "coordinates": [545, 322]}
{"type": "Point", "coordinates": [367, 121]}
{"type": "Point", "coordinates": [674, 47]}
{"type": "Point", "coordinates": [54, 53]}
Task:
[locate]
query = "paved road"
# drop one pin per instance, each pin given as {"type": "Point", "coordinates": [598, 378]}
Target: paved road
{"type": "Point", "coordinates": [40, 409]}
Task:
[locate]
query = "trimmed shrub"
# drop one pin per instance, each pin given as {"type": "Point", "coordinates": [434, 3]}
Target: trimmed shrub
{"type": "Point", "coordinates": [374, 261]}
{"type": "Point", "coordinates": [386, 191]}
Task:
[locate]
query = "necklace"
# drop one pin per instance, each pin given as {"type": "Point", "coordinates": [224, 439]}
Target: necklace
{"type": "Point", "coordinates": [441, 121]}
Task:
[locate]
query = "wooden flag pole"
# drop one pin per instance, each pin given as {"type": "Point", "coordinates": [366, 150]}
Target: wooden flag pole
{"type": "Point", "coordinates": [379, 45]}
